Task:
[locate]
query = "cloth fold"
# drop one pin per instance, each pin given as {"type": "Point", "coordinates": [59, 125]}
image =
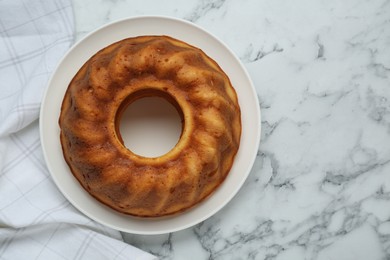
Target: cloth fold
{"type": "Point", "coordinates": [36, 221]}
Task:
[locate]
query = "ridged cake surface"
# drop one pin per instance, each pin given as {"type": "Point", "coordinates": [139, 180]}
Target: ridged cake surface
{"type": "Point", "coordinates": [139, 67]}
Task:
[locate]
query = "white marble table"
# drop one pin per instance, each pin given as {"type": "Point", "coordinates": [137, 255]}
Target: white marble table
{"type": "Point", "coordinates": [320, 187]}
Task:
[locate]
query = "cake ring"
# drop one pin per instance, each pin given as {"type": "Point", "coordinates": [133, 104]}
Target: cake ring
{"type": "Point", "coordinates": [141, 67]}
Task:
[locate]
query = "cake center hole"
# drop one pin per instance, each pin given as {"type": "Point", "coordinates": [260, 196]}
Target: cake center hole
{"type": "Point", "coordinates": [150, 126]}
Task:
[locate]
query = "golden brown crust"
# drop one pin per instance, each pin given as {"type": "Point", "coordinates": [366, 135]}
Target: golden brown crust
{"type": "Point", "coordinates": [150, 66]}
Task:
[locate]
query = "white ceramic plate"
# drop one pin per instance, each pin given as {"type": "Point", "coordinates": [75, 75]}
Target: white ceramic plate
{"type": "Point", "coordinates": [148, 25]}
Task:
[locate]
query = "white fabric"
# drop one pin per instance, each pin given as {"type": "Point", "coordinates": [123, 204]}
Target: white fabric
{"type": "Point", "coordinates": [36, 221]}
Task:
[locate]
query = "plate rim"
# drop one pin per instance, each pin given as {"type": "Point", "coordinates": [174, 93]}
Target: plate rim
{"type": "Point", "coordinates": [44, 104]}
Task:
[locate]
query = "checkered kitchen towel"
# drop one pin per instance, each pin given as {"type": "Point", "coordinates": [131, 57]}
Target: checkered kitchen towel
{"type": "Point", "coordinates": [36, 221]}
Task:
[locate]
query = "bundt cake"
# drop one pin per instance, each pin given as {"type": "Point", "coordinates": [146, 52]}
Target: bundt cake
{"type": "Point", "coordinates": [140, 67]}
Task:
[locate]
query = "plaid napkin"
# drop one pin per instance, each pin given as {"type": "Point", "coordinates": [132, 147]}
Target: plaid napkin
{"type": "Point", "coordinates": [36, 221]}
